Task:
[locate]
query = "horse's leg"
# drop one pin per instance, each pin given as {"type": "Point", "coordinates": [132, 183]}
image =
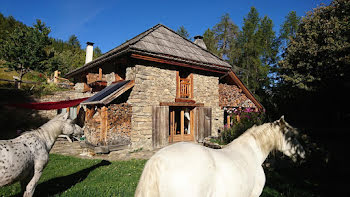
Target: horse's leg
{"type": "Point", "coordinates": [38, 170]}
{"type": "Point", "coordinates": [24, 182]}
{"type": "Point", "coordinates": [259, 182]}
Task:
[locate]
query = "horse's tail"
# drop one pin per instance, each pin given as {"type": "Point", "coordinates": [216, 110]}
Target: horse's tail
{"type": "Point", "coordinates": [149, 182]}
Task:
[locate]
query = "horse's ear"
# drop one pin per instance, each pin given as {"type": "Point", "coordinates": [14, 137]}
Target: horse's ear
{"type": "Point", "coordinates": [65, 116]}
{"type": "Point", "coordinates": [282, 118]}
{"type": "Point", "coordinates": [282, 121]}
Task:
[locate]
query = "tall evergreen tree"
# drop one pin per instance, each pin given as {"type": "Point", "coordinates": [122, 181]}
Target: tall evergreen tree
{"type": "Point", "coordinates": [289, 28]}
{"type": "Point", "coordinates": [225, 33]}
{"type": "Point", "coordinates": [255, 51]}
{"type": "Point", "coordinates": [73, 41]}
{"type": "Point", "coordinates": [183, 32]}
{"type": "Point", "coordinates": [210, 41]}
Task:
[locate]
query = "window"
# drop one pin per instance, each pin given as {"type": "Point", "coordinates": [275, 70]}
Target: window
{"type": "Point", "coordinates": [184, 87]}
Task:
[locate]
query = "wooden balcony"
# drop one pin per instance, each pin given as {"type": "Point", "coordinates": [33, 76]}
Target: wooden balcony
{"type": "Point", "coordinates": [184, 89]}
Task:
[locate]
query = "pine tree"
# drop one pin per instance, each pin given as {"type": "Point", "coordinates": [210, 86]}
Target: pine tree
{"type": "Point", "coordinates": [73, 41]}
{"type": "Point", "coordinates": [225, 33]}
{"type": "Point", "coordinates": [183, 32]}
{"type": "Point", "coordinates": [289, 28]}
{"type": "Point", "coordinates": [210, 41]}
{"type": "Point", "coordinates": [255, 51]}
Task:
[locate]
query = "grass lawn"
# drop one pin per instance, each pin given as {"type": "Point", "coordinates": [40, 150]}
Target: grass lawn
{"type": "Point", "coordinates": [70, 176]}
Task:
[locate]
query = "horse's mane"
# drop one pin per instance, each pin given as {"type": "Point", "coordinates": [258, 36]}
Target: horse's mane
{"type": "Point", "coordinates": [265, 136]}
{"type": "Point", "coordinates": [45, 127]}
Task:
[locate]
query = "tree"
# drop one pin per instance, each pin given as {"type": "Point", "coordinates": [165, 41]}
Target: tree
{"type": "Point", "coordinates": [210, 41]}
{"type": "Point", "coordinates": [255, 51]}
{"type": "Point", "coordinates": [318, 56]}
{"type": "Point", "coordinates": [183, 32]}
{"type": "Point", "coordinates": [289, 28]}
{"type": "Point", "coordinates": [225, 33]}
{"type": "Point", "coordinates": [25, 49]}
{"type": "Point", "coordinates": [97, 52]}
{"type": "Point", "coordinates": [249, 50]}
{"type": "Point", "coordinates": [73, 41]}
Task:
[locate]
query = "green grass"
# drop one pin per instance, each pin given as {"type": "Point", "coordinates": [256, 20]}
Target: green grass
{"type": "Point", "coordinates": [70, 176]}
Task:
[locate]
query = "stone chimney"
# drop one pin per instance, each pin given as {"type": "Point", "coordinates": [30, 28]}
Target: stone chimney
{"type": "Point", "coordinates": [89, 52]}
{"type": "Point", "coordinates": [199, 41]}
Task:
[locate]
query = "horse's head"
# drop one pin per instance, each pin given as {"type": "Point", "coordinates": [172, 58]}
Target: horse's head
{"type": "Point", "coordinates": [68, 126]}
{"type": "Point", "coordinates": [290, 145]}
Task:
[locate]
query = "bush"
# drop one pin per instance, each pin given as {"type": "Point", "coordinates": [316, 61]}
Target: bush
{"type": "Point", "coordinates": [247, 119]}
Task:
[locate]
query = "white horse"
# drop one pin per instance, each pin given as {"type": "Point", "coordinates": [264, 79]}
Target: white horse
{"type": "Point", "coordinates": [188, 169]}
{"type": "Point", "coordinates": [25, 157]}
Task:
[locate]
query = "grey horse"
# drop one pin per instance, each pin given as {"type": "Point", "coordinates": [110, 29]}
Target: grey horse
{"type": "Point", "coordinates": [25, 157]}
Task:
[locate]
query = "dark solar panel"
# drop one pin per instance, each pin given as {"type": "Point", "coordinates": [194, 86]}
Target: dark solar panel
{"type": "Point", "coordinates": [106, 91]}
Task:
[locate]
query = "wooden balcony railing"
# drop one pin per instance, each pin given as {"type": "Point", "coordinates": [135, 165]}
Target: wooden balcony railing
{"type": "Point", "coordinates": [185, 88]}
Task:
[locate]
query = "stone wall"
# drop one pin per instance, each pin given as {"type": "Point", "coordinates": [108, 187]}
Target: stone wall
{"type": "Point", "coordinates": [152, 85]}
{"type": "Point", "coordinates": [118, 126]}
{"type": "Point", "coordinates": [206, 90]}
{"type": "Point", "coordinates": [233, 96]}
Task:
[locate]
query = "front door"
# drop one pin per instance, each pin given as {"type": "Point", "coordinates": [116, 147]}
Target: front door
{"type": "Point", "coordinates": [181, 124]}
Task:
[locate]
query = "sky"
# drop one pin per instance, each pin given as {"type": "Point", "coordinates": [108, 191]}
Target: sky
{"type": "Point", "coordinates": [109, 23]}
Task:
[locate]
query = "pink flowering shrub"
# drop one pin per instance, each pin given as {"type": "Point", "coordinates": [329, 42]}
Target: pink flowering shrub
{"type": "Point", "coordinates": [247, 118]}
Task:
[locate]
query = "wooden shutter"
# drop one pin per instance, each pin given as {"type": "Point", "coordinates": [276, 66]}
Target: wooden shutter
{"type": "Point", "coordinates": [203, 123]}
{"type": "Point", "coordinates": [160, 126]}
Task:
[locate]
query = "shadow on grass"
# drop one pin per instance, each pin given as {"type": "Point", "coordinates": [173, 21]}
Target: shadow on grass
{"type": "Point", "coordinates": [60, 184]}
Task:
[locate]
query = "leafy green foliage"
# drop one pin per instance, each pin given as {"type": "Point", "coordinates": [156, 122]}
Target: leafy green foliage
{"type": "Point", "coordinates": [25, 48]}
{"type": "Point", "coordinates": [20, 43]}
{"type": "Point", "coordinates": [319, 54]}
{"type": "Point", "coordinates": [247, 120]}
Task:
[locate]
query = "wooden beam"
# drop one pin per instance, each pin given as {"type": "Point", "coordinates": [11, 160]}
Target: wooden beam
{"type": "Point", "coordinates": [177, 84]}
{"type": "Point", "coordinates": [100, 74]}
{"type": "Point", "coordinates": [154, 59]}
{"type": "Point", "coordinates": [191, 81]}
{"type": "Point", "coordinates": [181, 104]}
{"type": "Point", "coordinates": [184, 100]}
{"type": "Point", "coordinates": [104, 123]}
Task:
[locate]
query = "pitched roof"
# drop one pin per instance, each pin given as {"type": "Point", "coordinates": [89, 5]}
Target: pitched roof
{"type": "Point", "coordinates": [161, 41]}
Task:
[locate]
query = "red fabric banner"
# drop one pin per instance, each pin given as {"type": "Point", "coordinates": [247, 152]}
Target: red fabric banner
{"type": "Point", "coordinates": [49, 105]}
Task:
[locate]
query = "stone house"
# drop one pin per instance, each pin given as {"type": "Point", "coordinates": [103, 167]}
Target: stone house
{"type": "Point", "coordinates": [156, 89]}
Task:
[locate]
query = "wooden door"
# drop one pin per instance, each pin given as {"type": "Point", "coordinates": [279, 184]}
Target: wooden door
{"type": "Point", "coordinates": [160, 126]}
{"type": "Point", "coordinates": [181, 125]}
{"type": "Point", "coordinates": [203, 123]}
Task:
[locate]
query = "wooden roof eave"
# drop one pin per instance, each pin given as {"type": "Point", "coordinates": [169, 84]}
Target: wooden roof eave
{"type": "Point", "coordinates": [99, 60]}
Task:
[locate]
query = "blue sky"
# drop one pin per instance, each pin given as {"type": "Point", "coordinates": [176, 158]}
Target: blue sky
{"type": "Point", "coordinates": [109, 23]}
